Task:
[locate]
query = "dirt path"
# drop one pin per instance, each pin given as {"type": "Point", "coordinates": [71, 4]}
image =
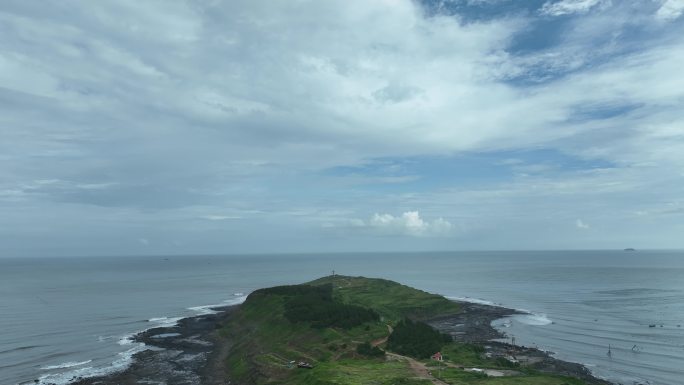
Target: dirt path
{"type": "Point", "coordinates": [382, 340]}
{"type": "Point", "coordinates": [379, 341]}
{"type": "Point", "coordinates": [419, 369]}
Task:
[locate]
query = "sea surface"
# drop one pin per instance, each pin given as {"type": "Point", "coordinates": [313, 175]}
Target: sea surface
{"type": "Point", "coordinates": [66, 317]}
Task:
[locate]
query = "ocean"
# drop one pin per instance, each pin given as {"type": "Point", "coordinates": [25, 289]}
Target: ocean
{"type": "Point", "coordinates": [66, 317]}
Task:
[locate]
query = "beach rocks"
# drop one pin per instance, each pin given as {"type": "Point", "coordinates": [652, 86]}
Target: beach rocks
{"type": "Point", "coordinates": [177, 355]}
{"type": "Point", "coordinates": [473, 325]}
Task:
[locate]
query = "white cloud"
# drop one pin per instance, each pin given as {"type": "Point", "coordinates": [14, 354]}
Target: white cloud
{"type": "Point", "coordinates": [144, 241]}
{"type": "Point", "coordinates": [437, 79]}
{"type": "Point", "coordinates": [95, 186]}
{"type": "Point", "coordinates": [219, 217]}
{"type": "Point", "coordinates": [581, 225]}
{"type": "Point", "coordinates": [195, 108]}
{"type": "Point", "coordinates": [670, 10]}
{"type": "Point", "coordinates": [403, 71]}
{"type": "Point", "coordinates": [565, 7]}
{"type": "Point", "coordinates": [409, 223]}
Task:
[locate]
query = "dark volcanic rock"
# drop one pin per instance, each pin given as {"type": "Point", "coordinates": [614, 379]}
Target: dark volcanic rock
{"type": "Point", "coordinates": [193, 354]}
{"type": "Point", "coordinates": [473, 325]}
{"type": "Point", "coordinates": [186, 354]}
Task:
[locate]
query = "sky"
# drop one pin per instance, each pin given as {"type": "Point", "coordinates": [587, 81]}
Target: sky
{"type": "Point", "coordinates": [202, 127]}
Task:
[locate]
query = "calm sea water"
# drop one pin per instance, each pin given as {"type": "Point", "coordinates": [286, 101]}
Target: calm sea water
{"type": "Point", "coordinates": [66, 317]}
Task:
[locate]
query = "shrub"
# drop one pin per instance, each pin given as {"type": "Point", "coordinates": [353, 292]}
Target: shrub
{"type": "Point", "coordinates": [315, 304]}
{"type": "Point", "coordinates": [324, 292]}
{"type": "Point", "coordinates": [365, 349]}
{"type": "Point", "coordinates": [416, 339]}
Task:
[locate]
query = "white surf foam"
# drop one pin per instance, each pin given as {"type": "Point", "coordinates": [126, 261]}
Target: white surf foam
{"type": "Point", "coordinates": [104, 338]}
{"type": "Point", "coordinates": [533, 319]}
{"type": "Point", "coordinates": [474, 300]}
{"type": "Point", "coordinates": [528, 318]}
{"type": "Point", "coordinates": [204, 310]}
{"type": "Point", "coordinates": [124, 359]}
{"type": "Point", "coordinates": [209, 309]}
{"type": "Point", "coordinates": [166, 335]}
{"type": "Point", "coordinates": [165, 321]}
{"type": "Point", "coordinates": [239, 298]}
{"type": "Point", "coordinates": [127, 339]}
{"type": "Point", "coordinates": [65, 365]}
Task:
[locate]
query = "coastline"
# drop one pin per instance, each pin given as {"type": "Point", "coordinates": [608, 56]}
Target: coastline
{"type": "Point", "coordinates": [473, 325]}
{"type": "Point", "coordinates": [192, 352]}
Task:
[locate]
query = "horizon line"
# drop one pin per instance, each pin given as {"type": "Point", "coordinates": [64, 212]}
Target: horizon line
{"type": "Point", "coordinates": [303, 253]}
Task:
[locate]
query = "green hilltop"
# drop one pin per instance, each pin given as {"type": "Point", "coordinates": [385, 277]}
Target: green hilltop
{"type": "Point", "coordinates": [393, 301]}
{"type": "Point", "coordinates": [354, 330]}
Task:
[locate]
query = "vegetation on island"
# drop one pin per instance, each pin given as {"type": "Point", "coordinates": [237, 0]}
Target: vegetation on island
{"type": "Point", "coordinates": [416, 339]}
{"type": "Point", "coordinates": [366, 349]}
{"type": "Point", "coordinates": [393, 301]}
{"type": "Point", "coordinates": [354, 331]}
{"type": "Point", "coordinates": [315, 304]}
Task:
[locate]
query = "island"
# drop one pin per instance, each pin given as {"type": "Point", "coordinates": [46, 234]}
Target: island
{"type": "Point", "coordinates": [342, 330]}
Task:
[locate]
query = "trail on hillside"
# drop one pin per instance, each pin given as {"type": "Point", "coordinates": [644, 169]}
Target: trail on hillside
{"type": "Point", "coordinates": [419, 369]}
{"type": "Point", "coordinates": [382, 340]}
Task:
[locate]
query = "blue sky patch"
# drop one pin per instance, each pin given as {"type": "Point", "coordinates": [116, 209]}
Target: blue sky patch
{"type": "Point", "coordinates": [422, 173]}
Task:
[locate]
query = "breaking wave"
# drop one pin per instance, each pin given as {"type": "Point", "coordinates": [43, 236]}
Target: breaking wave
{"type": "Point", "coordinates": [65, 365]}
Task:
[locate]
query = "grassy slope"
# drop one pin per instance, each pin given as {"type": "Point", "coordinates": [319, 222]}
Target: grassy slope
{"type": "Point", "coordinates": [265, 342]}
{"type": "Point", "coordinates": [391, 300]}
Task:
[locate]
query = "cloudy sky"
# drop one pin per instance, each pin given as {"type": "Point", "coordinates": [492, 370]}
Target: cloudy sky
{"type": "Point", "coordinates": [157, 127]}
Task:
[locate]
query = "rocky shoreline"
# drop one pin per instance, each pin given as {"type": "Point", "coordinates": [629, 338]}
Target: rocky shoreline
{"type": "Point", "coordinates": [473, 325]}
{"type": "Point", "coordinates": [192, 352]}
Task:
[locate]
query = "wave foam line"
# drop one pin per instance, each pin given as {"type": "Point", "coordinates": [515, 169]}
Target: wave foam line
{"type": "Point", "coordinates": [64, 378]}
{"type": "Point", "coordinates": [533, 319]}
{"type": "Point", "coordinates": [125, 358]}
{"type": "Point", "coordinates": [473, 300]}
{"type": "Point", "coordinates": [528, 318]}
{"type": "Point", "coordinates": [166, 321]}
{"type": "Point", "coordinates": [209, 309]}
{"type": "Point", "coordinates": [65, 365]}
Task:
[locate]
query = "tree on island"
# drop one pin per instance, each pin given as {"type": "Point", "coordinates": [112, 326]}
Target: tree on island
{"type": "Point", "coordinates": [315, 305]}
{"type": "Point", "coordinates": [416, 339]}
{"type": "Point", "coordinates": [366, 349]}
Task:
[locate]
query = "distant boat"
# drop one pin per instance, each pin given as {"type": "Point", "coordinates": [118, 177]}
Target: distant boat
{"type": "Point", "coordinates": [651, 325]}
{"type": "Point", "coordinates": [630, 249]}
